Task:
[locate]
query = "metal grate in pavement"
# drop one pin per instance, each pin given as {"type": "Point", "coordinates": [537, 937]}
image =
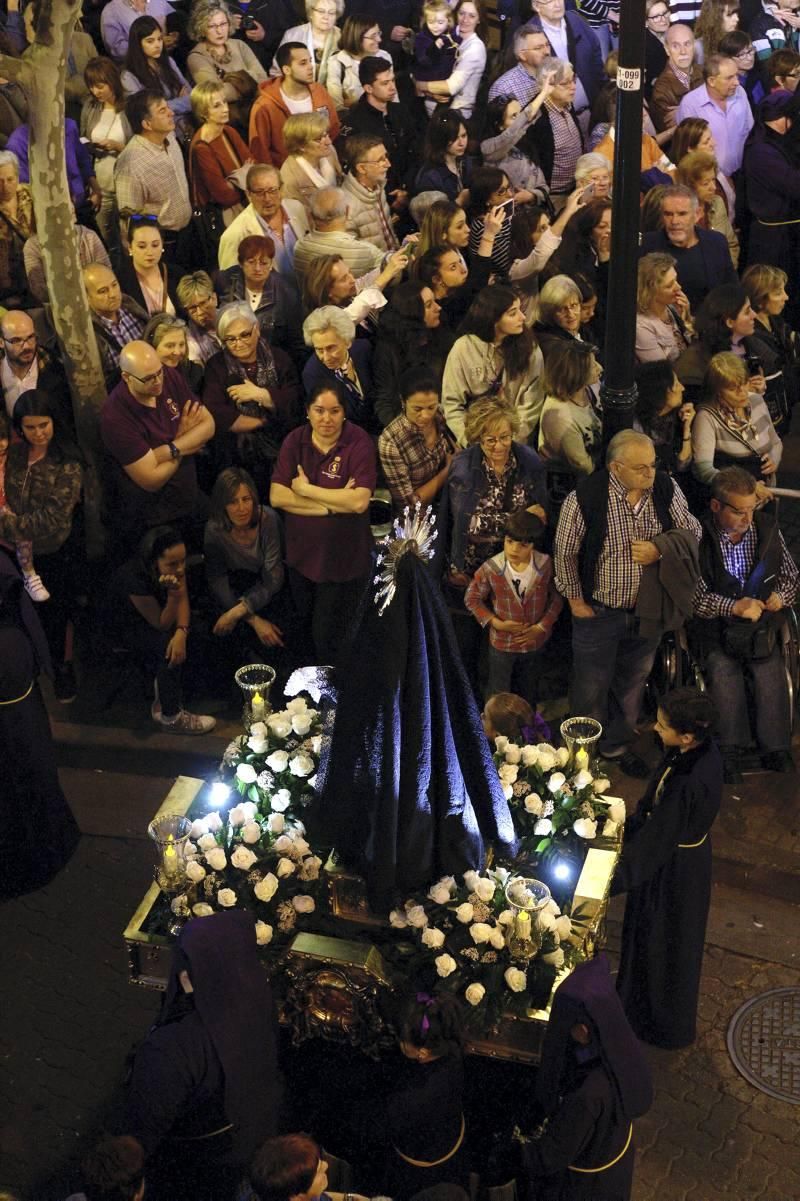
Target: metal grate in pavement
{"type": "Point", "coordinates": [764, 1043]}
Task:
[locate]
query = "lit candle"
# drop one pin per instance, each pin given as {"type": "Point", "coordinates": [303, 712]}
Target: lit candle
{"type": "Point", "coordinates": [522, 926]}
{"type": "Point", "coordinates": [581, 759]}
{"type": "Point", "coordinates": [257, 707]}
{"type": "Point", "coordinates": [170, 858]}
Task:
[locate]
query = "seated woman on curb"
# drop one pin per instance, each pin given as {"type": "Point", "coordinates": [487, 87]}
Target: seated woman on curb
{"type": "Point", "coordinates": [152, 616]}
{"type": "Point", "coordinates": [244, 570]}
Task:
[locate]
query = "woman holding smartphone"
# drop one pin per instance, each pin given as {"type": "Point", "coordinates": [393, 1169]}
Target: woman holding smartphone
{"type": "Point", "coordinates": [491, 192]}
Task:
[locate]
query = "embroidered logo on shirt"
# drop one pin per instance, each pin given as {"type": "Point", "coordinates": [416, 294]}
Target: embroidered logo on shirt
{"type": "Point", "coordinates": [333, 470]}
{"type": "Point", "coordinates": [172, 408]}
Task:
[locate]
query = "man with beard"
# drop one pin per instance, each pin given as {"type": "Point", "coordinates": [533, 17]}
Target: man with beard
{"type": "Point", "coordinates": [26, 365]}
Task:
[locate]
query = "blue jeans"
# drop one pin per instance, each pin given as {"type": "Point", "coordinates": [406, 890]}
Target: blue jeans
{"type": "Point", "coordinates": [610, 665]}
{"type": "Point", "coordinates": [725, 678]}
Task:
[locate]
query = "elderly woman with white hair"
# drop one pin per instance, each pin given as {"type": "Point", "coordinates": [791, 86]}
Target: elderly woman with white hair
{"type": "Point", "coordinates": [341, 360]}
{"type": "Point", "coordinates": [592, 171]}
{"type": "Point", "coordinates": [557, 137]}
{"type": "Point", "coordinates": [558, 313]}
{"type": "Point", "coordinates": [16, 226]}
{"type": "Point", "coordinates": [320, 34]}
{"type": "Point", "coordinates": [253, 392]}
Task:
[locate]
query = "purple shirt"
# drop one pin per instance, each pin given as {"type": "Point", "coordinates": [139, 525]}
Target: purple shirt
{"type": "Point", "coordinates": [328, 549]}
{"type": "Point", "coordinates": [129, 430]}
{"type": "Point", "coordinates": [730, 128]}
{"type": "Point", "coordinates": [80, 168]}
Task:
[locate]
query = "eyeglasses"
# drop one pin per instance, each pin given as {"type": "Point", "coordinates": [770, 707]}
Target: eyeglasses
{"type": "Point", "coordinates": [257, 263]}
{"type": "Point", "coordinates": [232, 339]}
{"type": "Point", "coordinates": [19, 341]}
{"type": "Point", "coordinates": [146, 379]}
{"type": "Point", "coordinates": [572, 306]}
{"type": "Point", "coordinates": [261, 192]}
{"type": "Point", "coordinates": [219, 24]}
{"type": "Point", "coordinates": [659, 16]}
{"type": "Point", "coordinates": [497, 440]}
{"type": "Point", "coordinates": [375, 162]}
{"type": "Point", "coordinates": [198, 304]}
{"type": "Point", "coordinates": [325, 12]}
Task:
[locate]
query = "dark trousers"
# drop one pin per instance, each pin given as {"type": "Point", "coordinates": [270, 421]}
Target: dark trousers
{"type": "Point", "coordinates": [150, 646]}
{"type": "Point", "coordinates": [324, 612]}
{"type": "Point", "coordinates": [725, 677]}
{"type": "Point", "coordinates": [59, 571]}
{"type": "Point", "coordinates": [610, 665]}
{"type": "Point", "coordinates": [511, 672]}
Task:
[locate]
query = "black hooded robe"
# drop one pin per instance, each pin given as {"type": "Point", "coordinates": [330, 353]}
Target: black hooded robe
{"type": "Point", "coordinates": [591, 1095]}
{"type": "Point", "coordinates": [665, 868]}
{"type": "Point", "coordinates": [38, 833]}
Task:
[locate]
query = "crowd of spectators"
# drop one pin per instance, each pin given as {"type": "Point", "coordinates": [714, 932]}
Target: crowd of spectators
{"type": "Point", "coordinates": [364, 246]}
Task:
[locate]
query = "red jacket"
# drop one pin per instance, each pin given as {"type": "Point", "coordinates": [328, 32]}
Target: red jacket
{"type": "Point", "coordinates": [541, 603]}
{"type": "Point", "coordinates": [269, 115]}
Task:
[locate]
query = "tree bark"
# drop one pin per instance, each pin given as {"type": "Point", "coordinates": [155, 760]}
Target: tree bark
{"type": "Point", "coordinates": [41, 73]}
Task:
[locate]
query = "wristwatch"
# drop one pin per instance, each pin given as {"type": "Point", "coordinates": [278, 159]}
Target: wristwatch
{"type": "Point", "coordinates": [174, 453]}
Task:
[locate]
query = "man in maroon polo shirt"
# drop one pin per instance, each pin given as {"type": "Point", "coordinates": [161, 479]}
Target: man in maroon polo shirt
{"type": "Point", "coordinates": [151, 426]}
{"type": "Point", "coordinates": [323, 480]}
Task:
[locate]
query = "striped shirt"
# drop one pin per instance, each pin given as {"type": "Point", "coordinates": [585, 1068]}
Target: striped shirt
{"type": "Point", "coordinates": [617, 577]}
{"type": "Point", "coordinates": [740, 559]}
{"type": "Point", "coordinates": [152, 179]}
{"type": "Point", "coordinates": [684, 12]}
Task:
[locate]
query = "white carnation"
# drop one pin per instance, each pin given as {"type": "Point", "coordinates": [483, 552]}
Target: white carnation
{"type": "Point", "coordinates": [543, 826]}
{"type": "Point", "coordinates": [475, 993]}
{"type": "Point", "coordinates": [513, 753]}
{"type": "Point", "coordinates": [417, 916]}
{"type": "Point", "coordinates": [465, 912]}
{"type": "Point", "coordinates": [226, 897]}
{"type": "Point", "coordinates": [433, 938]}
{"type": "Point", "coordinates": [285, 868]}
{"type": "Point", "coordinates": [195, 872]}
{"type": "Point", "coordinates": [481, 932]}
{"type": "Point", "coordinates": [445, 965]}
{"type": "Point", "coordinates": [281, 801]}
{"type": "Point", "coordinates": [251, 832]}
{"type": "Point", "coordinates": [246, 773]}
{"type": "Point", "coordinates": [278, 761]}
{"type": "Point", "coordinates": [217, 859]}
{"type": "Point", "coordinates": [584, 827]}
{"type": "Point", "coordinates": [556, 781]}
{"type": "Point", "coordinates": [303, 904]}
{"type": "Point", "coordinates": [533, 804]}
{"type": "Point", "coordinates": [243, 859]}
{"type": "Point", "coordinates": [485, 889]}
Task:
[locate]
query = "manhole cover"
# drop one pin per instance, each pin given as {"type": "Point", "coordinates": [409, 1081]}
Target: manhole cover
{"type": "Point", "coordinates": [764, 1043]}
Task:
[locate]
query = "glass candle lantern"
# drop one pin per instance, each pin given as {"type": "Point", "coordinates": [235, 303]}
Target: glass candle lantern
{"type": "Point", "coordinates": [170, 833]}
{"type": "Point", "coordinates": [581, 735]}
{"type": "Point", "coordinates": [526, 897]}
{"type": "Point", "coordinates": [255, 681]}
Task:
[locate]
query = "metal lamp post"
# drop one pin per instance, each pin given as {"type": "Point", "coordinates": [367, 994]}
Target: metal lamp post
{"type": "Point", "coordinates": [618, 392]}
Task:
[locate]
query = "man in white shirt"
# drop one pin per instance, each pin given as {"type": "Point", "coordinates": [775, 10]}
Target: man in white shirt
{"type": "Point", "coordinates": [267, 215]}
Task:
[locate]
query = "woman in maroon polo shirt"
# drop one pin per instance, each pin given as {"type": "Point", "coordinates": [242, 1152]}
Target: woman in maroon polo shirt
{"type": "Point", "coordinates": [323, 480]}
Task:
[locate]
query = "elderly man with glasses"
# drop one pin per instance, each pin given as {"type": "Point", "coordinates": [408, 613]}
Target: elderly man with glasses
{"type": "Point", "coordinates": [267, 215]}
{"type": "Point", "coordinates": [151, 426]}
{"type": "Point", "coordinates": [612, 527]}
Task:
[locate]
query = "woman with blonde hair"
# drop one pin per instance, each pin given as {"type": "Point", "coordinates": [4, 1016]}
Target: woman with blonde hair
{"type": "Point", "coordinates": [216, 152]}
{"type": "Point", "coordinates": [444, 224]}
{"type": "Point", "coordinates": [698, 170]}
{"type": "Point", "coordinates": [320, 34]}
{"type": "Point", "coordinates": [311, 161]}
{"type": "Point", "coordinates": [733, 428]}
{"type": "Point", "coordinates": [663, 320]}
{"type": "Point", "coordinates": [361, 38]}
{"type": "Point", "coordinates": [774, 341]}
{"type": "Point", "coordinates": [329, 280]}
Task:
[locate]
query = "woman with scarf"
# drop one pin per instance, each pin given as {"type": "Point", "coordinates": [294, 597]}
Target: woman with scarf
{"type": "Point", "coordinates": [253, 392]}
{"type": "Point", "coordinates": [205, 1089]}
{"type": "Point", "coordinates": [665, 869]}
{"type": "Point", "coordinates": [593, 1081]}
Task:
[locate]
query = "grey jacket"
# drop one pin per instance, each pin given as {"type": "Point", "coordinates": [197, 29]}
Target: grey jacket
{"type": "Point", "coordinates": [668, 586]}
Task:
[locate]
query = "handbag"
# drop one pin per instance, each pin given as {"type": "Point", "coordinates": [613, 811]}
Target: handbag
{"type": "Point", "coordinates": [749, 641]}
{"type": "Point", "coordinates": [207, 225]}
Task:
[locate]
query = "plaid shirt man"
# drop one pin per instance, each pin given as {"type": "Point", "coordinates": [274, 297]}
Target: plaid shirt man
{"type": "Point", "coordinates": [539, 605]}
{"type": "Point", "coordinates": [617, 577]}
{"type": "Point", "coordinates": [568, 147]}
{"type": "Point", "coordinates": [152, 179]}
{"type": "Point", "coordinates": [114, 335]}
{"type": "Point", "coordinates": [739, 559]}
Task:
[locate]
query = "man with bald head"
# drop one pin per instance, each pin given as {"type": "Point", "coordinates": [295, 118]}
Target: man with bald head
{"type": "Point", "coordinates": [329, 209]}
{"type": "Point", "coordinates": [25, 365]}
{"type": "Point", "coordinates": [680, 76]}
{"type": "Point", "coordinates": [117, 319]}
{"type": "Point", "coordinates": [151, 426]}
{"type": "Point", "coordinates": [604, 540]}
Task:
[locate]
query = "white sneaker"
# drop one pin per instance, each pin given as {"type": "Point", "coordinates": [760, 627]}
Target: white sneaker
{"type": "Point", "coordinates": [35, 588]}
{"type": "Point", "coordinates": [187, 723]}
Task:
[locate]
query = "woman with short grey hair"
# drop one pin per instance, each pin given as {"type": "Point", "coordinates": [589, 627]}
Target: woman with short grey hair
{"type": "Point", "coordinates": [252, 390]}
{"type": "Point", "coordinates": [558, 312]}
{"type": "Point", "coordinates": [341, 361]}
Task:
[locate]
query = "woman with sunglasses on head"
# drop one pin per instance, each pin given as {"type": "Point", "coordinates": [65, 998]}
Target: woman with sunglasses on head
{"type": "Point", "coordinates": [142, 273]}
{"type": "Point", "coordinates": [253, 393]}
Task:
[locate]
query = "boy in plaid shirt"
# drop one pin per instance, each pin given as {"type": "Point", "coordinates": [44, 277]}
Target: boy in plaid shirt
{"type": "Point", "coordinates": [514, 595]}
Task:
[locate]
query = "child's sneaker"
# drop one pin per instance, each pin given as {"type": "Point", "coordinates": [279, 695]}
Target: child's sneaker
{"type": "Point", "coordinates": [187, 723]}
{"type": "Point", "coordinates": [35, 588]}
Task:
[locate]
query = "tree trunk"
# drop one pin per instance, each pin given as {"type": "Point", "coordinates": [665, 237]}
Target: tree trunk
{"type": "Point", "coordinates": [41, 73]}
